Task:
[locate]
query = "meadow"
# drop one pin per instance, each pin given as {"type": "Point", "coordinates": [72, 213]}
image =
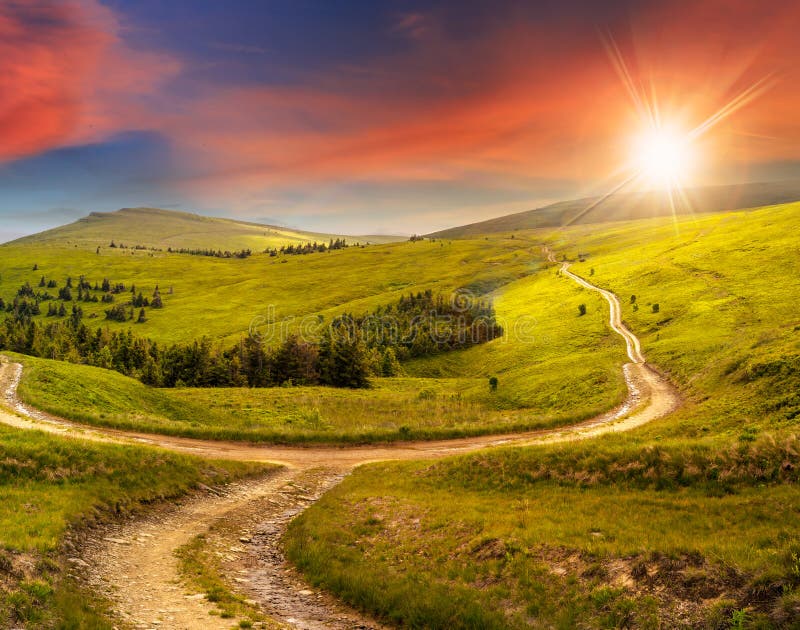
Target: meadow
{"type": "Point", "coordinates": [162, 229]}
{"type": "Point", "coordinates": [690, 521]}
{"type": "Point", "coordinates": [549, 358]}
{"type": "Point", "coordinates": [592, 536]}
{"type": "Point", "coordinates": [727, 328]}
{"type": "Point", "coordinates": [222, 298]}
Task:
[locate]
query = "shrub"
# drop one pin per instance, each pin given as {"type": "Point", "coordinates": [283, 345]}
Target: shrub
{"type": "Point", "coordinates": [656, 307]}
{"type": "Point", "coordinates": [581, 310]}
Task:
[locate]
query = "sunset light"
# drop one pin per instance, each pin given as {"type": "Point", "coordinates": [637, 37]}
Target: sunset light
{"type": "Point", "coordinates": [663, 157]}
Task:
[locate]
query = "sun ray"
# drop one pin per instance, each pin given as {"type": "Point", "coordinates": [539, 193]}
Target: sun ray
{"type": "Point", "coordinates": [599, 201]}
{"type": "Point", "coordinates": [745, 97]}
{"type": "Point", "coordinates": [665, 154]}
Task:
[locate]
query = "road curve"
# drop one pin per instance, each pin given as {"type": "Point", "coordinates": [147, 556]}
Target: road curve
{"type": "Point", "coordinates": [650, 396]}
{"type": "Point", "coordinates": [614, 318]}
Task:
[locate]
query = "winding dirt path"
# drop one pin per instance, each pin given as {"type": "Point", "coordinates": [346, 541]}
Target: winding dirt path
{"type": "Point", "coordinates": [136, 567]}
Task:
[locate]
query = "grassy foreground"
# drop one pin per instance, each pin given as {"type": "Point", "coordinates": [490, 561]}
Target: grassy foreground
{"type": "Point", "coordinates": [594, 536]}
{"type": "Point", "coordinates": [49, 485]}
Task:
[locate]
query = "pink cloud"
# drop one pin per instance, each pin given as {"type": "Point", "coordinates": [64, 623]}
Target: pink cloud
{"type": "Point", "coordinates": [67, 75]}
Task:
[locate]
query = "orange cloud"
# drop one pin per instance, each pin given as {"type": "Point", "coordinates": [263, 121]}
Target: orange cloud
{"type": "Point", "coordinates": [519, 101]}
{"type": "Point", "coordinates": [65, 70]}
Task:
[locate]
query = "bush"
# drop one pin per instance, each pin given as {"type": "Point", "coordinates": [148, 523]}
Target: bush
{"type": "Point", "coordinates": [581, 310]}
{"type": "Point", "coordinates": [656, 307]}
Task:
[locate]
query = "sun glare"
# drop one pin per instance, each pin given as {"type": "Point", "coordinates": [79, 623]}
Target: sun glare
{"type": "Point", "coordinates": [663, 157]}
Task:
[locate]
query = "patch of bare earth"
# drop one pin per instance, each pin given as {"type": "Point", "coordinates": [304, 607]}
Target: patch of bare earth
{"type": "Point", "coordinates": [133, 564]}
{"type": "Point", "coordinates": [247, 543]}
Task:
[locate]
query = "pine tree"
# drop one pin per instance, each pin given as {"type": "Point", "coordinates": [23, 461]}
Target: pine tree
{"type": "Point", "coordinates": [77, 315]}
{"type": "Point", "coordinates": [142, 317]}
{"type": "Point", "coordinates": [390, 365]}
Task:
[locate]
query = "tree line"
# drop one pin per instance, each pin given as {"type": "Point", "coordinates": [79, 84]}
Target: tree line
{"type": "Point", "coordinates": [336, 360]}
{"type": "Point", "coordinates": [422, 324]}
{"type": "Point", "coordinates": [213, 253]}
{"type": "Point", "coordinates": [309, 248]}
{"type": "Point", "coordinates": [346, 354]}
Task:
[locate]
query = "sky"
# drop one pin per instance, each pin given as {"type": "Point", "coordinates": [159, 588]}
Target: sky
{"type": "Point", "coordinates": [379, 116]}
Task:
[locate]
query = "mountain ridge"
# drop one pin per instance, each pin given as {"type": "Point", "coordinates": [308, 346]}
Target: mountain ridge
{"type": "Point", "coordinates": [632, 206]}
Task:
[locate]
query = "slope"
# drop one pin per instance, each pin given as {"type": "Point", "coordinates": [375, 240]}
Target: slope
{"type": "Point", "coordinates": [689, 521]}
{"type": "Point", "coordinates": [221, 297]}
{"type": "Point", "coordinates": [154, 227]}
{"type": "Point", "coordinates": [632, 206]}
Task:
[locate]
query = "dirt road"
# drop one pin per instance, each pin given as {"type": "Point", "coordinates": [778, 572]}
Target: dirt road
{"type": "Point", "coordinates": [136, 567]}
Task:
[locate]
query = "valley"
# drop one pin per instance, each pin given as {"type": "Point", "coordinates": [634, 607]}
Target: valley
{"type": "Point", "coordinates": [665, 454]}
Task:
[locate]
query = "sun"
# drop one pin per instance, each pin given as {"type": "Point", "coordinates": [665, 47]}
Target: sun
{"type": "Point", "coordinates": [663, 157]}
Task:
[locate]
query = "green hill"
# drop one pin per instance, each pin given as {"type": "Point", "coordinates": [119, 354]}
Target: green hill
{"type": "Point", "coordinates": [221, 297]}
{"type": "Point", "coordinates": [632, 206]}
{"type": "Point", "coordinates": [687, 522]}
{"type": "Point", "coordinates": [153, 227]}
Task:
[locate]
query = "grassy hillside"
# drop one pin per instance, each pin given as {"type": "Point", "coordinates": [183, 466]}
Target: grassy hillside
{"type": "Point", "coordinates": [553, 367]}
{"type": "Point", "coordinates": [221, 297]}
{"type": "Point", "coordinates": [690, 521]}
{"type": "Point", "coordinates": [631, 206]}
{"type": "Point", "coordinates": [161, 229]}
{"type": "Point", "coordinates": [598, 535]}
{"type": "Point", "coordinates": [727, 322]}
{"type": "Point", "coordinates": [48, 485]}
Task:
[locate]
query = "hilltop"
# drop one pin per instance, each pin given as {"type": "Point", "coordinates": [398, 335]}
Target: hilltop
{"type": "Point", "coordinates": [632, 206]}
{"type": "Point", "coordinates": [155, 227]}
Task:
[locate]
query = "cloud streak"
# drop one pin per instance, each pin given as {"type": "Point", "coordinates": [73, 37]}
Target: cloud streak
{"type": "Point", "coordinates": [67, 75]}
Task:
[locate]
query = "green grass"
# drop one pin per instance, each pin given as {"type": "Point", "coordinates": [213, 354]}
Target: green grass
{"type": "Point", "coordinates": [161, 229]}
{"type": "Point", "coordinates": [702, 505]}
{"type": "Point", "coordinates": [548, 360]}
{"type": "Point", "coordinates": [704, 499]}
{"type": "Point", "coordinates": [552, 537]}
{"type": "Point", "coordinates": [220, 298]}
{"type": "Point", "coordinates": [50, 485]}
{"type": "Point", "coordinates": [728, 321]}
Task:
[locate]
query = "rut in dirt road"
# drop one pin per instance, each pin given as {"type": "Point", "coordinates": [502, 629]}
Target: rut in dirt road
{"type": "Point", "coordinates": [135, 565]}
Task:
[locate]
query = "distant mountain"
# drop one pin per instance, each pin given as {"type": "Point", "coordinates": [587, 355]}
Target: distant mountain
{"type": "Point", "coordinates": [154, 227]}
{"type": "Point", "coordinates": [628, 206]}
